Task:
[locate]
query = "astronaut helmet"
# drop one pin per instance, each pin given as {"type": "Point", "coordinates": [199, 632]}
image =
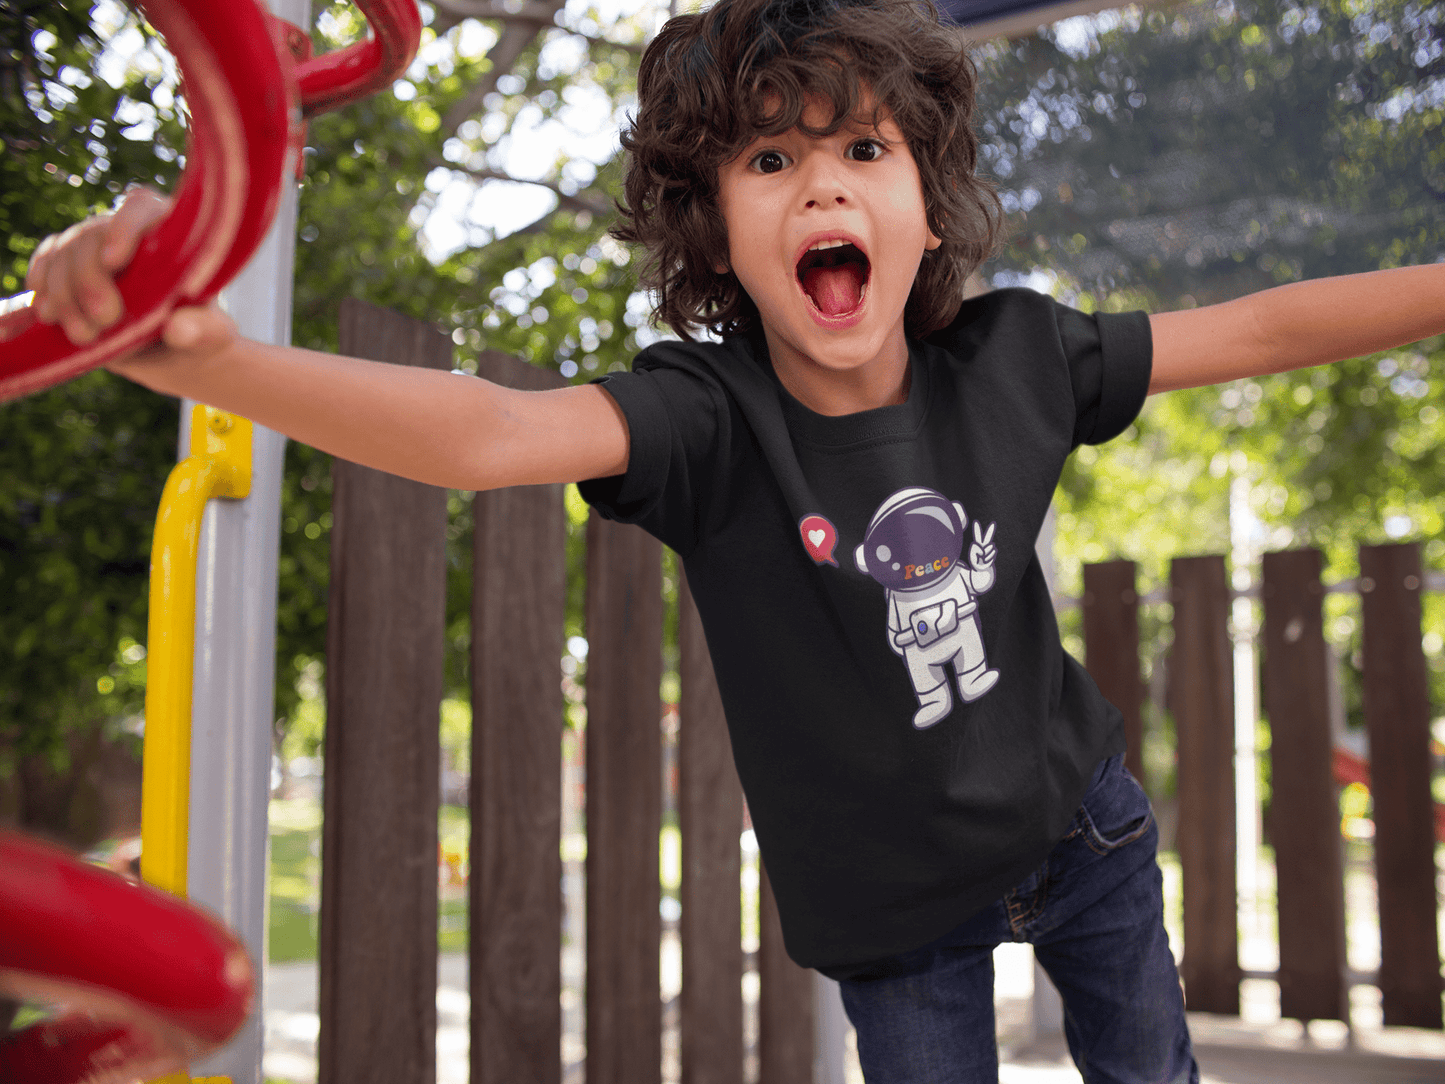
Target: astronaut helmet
{"type": "Point", "coordinates": [914, 539]}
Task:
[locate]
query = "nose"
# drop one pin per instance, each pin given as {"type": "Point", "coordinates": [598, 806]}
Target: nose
{"type": "Point", "coordinates": [824, 185]}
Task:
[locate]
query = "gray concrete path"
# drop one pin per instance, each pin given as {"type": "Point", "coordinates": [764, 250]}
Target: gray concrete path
{"type": "Point", "coordinates": [1259, 1049]}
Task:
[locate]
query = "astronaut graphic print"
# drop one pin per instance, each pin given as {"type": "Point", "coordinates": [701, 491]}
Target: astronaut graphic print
{"type": "Point", "coordinates": [914, 549]}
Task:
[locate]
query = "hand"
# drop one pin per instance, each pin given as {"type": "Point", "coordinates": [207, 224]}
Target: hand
{"type": "Point", "coordinates": [190, 336]}
{"type": "Point", "coordinates": [73, 276]}
{"type": "Point", "coordinates": [982, 553]}
{"type": "Point", "coordinates": [73, 273]}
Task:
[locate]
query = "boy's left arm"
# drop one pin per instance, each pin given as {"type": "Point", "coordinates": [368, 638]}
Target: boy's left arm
{"type": "Point", "coordinates": [1298, 325]}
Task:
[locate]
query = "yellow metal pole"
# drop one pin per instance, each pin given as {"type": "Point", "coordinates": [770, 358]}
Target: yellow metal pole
{"type": "Point", "coordinates": [219, 465]}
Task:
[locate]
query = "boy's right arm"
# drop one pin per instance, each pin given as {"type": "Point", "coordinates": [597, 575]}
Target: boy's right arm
{"type": "Point", "coordinates": [440, 428]}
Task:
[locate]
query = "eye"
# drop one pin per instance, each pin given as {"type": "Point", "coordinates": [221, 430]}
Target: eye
{"type": "Point", "coordinates": [866, 150]}
{"type": "Point", "coordinates": [769, 161]}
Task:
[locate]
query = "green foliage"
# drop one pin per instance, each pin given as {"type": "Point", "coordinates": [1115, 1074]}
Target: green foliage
{"type": "Point", "coordinates": [72, 139]}
{"type": "Point", "coordinates": [83, 463]}
{"type": "Point", "coordinates": [1170, 159]}
{"type": "Point", "coordinates": [84, 86]}
{"type": "Point", "coordinates": [1165, 159]}
{"type": "Point", "coordinates": [84, 467]}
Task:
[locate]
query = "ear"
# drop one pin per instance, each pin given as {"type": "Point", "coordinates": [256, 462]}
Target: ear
{"type": "Point", "coordinates": [933, 242]}
{"type": "Point", "coordinates": [721, 268]}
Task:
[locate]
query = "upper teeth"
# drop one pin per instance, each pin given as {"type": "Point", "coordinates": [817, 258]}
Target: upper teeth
{"type": "Point", "coordinates": [835, 243]}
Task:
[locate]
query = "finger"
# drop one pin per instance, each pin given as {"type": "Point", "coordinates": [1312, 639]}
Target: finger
{"type": "Point", "coordinates": [92, 281]}
{"type": "Point", "coordinates": [35, 273]}
{"type": "Point", "coordinates": [79, 292]}
{"type": "Point", "coordinates": [57, 303]}
{"type": "Point", "coordinates": [988, 535]}
{"type": "Point", "coordinates": [41, 278]}
{"type": "Point", "coordinates": [141, 210]}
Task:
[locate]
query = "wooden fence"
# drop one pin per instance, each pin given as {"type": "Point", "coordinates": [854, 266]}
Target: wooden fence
{"type": "Point", "coordinates": [384, 666]}
{"type": "Point", "coordinates": [378, 915]}
{"type": "Point", "coordinates": [1304, 813]}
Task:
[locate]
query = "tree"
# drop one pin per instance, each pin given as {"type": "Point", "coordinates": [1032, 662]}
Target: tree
{"type": "Point", "coordinates": [1167, 158]}
{"type": "Point", "coordinates": [84, 463]}
{"type": "Point", "coordinates": [1172, 158]}
{"type": "Point", "coordinates": [85, 108]}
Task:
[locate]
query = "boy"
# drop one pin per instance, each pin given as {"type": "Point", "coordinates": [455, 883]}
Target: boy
{"type": "Point", "coordinates": [854, 478]}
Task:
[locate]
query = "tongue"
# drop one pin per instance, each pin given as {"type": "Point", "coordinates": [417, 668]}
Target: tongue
{"type": "Point", "coordinates": [835, 290]}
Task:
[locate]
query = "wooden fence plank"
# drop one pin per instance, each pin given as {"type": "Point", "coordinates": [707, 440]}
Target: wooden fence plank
{"type": "Point", "coordinates": [1201, 699]}
{"type": "Point", "coordinates": [1397, 714]}
{"type": "Point", "coordinates": [1111, 648]}
{"type": "Point", "coordinates": [785, 1003]}
{"type": "Point", "coordinates": [710, 816]}
{"type": "Point", "coordinates": [518, 611]}
{"type": "Point", "coordinates": [378, 936]}
{"type": "Point", "coordinates": [1304, 817]}
{"type": "Point", "coordinates": [624, 804]}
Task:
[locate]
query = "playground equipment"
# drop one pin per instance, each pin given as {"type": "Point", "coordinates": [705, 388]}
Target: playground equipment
{"type": "Point", "coordinates": [247, 91]}
{"type": "Point", "coordinates": [1349, 767]}
{"type": "Point", "coordinates": [150, 983]}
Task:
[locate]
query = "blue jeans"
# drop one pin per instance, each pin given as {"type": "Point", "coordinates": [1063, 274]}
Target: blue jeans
{"type": "Point", "coordinates": [1094, 912]}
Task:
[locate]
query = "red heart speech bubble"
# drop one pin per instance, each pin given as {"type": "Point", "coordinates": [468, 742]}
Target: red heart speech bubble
{"type": "Point", "coordinates": [820, 538]}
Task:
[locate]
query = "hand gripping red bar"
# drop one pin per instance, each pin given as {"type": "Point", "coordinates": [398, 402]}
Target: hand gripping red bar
{"type": "Point", "coordinates": [246, 98]}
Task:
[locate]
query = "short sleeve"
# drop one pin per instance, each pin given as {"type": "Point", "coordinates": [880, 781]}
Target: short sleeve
{"type": "Point", "coordinates": [673, 430]}
{"type": "Point", "coordinates": [1110, 356]}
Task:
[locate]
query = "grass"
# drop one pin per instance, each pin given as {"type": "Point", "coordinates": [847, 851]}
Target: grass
{"type": "Point", "coordinates": [295, 889]}
{"type": "Point", "coordinates": [295, 880]}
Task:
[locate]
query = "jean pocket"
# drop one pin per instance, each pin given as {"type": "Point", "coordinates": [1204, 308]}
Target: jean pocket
{"type": "Point", "coordinates": [1116, 810]}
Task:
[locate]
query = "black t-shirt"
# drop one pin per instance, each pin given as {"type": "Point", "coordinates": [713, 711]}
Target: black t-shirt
{"type": "Point", "coordinates": [911, 736]}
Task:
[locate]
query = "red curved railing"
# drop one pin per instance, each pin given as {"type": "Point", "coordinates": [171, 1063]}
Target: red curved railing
{"type": "Point", "coordinates": [246, 98]}
{"type": "Point", "coordinates": [147, 981]}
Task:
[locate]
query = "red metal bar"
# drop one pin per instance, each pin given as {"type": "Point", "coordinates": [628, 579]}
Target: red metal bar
{"type": "Point", "coordinates": [150, 981]}
{"type": "Point", "coordinates": [223, 205]}
{"type": "Point", "coordinates": [332, 80]}
{"type": "Point", "coordinates": [246, 97]}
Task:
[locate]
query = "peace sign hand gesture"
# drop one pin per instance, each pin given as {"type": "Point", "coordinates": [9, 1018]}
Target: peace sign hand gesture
{"type": "Point", "coordinates": [982, 553]}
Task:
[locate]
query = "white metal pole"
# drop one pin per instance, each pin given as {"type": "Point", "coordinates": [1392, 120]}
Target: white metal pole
{"type": "Point", "coordinates": [233, 701]}
{"type": "Point", "coordinates": [1244, 556]}
{"type": "Point", "coordinates": [1048, 1007]}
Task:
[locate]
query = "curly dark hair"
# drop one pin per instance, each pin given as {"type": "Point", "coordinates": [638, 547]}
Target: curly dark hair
{"type": "Point", "coordinates": [712, 82]}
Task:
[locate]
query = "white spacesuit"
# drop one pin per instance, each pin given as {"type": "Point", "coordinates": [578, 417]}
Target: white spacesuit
{"type": "Point", "coordinates": [913, 548]}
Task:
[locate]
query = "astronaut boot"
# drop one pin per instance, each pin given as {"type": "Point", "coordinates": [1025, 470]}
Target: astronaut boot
{"type": "Point", "coordinates": [974, 683]}
{"type": "Point", "coordinates": [933, 705]}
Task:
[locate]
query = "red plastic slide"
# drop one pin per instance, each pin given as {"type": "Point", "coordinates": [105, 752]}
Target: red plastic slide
{"type": "Point", "coordinates": [145, 982]}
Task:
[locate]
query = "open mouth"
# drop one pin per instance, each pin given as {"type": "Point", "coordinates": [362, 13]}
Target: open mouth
{"type": "Point", "coordinates": [834, 275]}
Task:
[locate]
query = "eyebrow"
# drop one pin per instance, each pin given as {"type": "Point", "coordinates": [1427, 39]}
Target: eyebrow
{"type": "Point", "coordinates": [856, 125]}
